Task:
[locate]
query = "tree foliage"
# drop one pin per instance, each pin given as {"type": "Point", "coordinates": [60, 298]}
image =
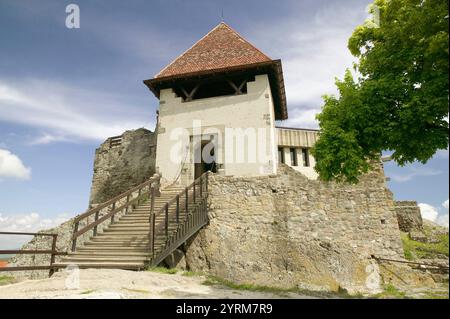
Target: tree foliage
{"type": "Point", "coordinates": [399, 99]}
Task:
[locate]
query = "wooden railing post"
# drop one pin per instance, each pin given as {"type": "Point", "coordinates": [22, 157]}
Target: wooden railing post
{"type": "Point", "coordinates": [126, 208]}
{"type": "Point", "coordinates": [193, 191]}
{"type": "Point", "coordinates": [52, 257]}
{"type": "Point", "coordinates": [113, 208]}
{"type": "Point", "coordinates": [206, 182]}
{"type": "Point", "coordinates": [139, 197]}
{"type": "Point", "coordinates": [186, 191]}
{"type": "Point", "coordinates": [74, 239]}
{"type": "Point", "coordinates": [178, 208]}
{"type": "Point", "coordinates": [152, 199]}
{"type": "Point", "coordinates": [151, 235]}
{"type": "Point", "coordinates": [96, 218]}
{"type": "Point", "coordinates": [167, 220]}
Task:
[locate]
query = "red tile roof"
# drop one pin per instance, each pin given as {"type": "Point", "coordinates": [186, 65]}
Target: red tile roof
{"type": "Point", "coordinates": [221, 48]}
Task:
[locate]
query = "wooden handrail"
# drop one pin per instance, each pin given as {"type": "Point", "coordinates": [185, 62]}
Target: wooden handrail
{"type": "Point", "coordinates": [114, 209]}
{"type": "Point", "coordinates": [28, 234]}
{"type": "Point", "coordinates": [195, 218]}
{"type": "Point", "coordinates": [181, 193]}
{"type": "Point", "coordinates": [410, 262]}
{"type": "Point", "coordinates": [115, 199]}
{"type": "Point", "coordinates": [52, 252]}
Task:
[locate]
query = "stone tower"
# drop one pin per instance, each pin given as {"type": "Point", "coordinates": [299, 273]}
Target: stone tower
{"type": "Point", "coordinates": [218, 103]}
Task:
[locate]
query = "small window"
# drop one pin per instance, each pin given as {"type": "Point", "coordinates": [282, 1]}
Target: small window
{"type": "Point", "coordinates": [293, 153]}
{"type": "Point", "coordinates": [281, 155]}
{"type": "Point", "coordinates": [305, 155]}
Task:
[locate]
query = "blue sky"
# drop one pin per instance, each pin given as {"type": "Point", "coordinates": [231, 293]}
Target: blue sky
{"type": "Point", "coordinates": [63, 91]}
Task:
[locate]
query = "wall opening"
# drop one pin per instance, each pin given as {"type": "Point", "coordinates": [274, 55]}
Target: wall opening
{"type": "Point", "coordinates": [281, 155]}
{"type": "Point", "coordinates": [190, 91]}
{"type": "Point", "coordinates": [305, 155]}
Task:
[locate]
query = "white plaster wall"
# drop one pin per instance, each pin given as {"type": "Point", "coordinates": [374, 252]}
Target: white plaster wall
{"type": "Point", "coordinates": [253, 110]}
{"type": "Point", "coordinates": [308, 171]}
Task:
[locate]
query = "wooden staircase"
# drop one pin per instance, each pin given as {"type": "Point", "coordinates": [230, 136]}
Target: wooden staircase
{"type": "Point", "coordinates": [143, 236]}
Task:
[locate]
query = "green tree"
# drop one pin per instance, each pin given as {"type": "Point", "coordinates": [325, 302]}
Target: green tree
{"type": "Point", "coordinates": [399, 100]}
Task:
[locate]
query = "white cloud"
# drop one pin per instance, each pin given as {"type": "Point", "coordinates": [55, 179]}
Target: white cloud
{"type": "Point", "coordinates": [445, 204]}
{"type": "Point", "coordinates": [303, 118]}
{"type": "Point", "coordinates": [434, 214]}
{"type": "Point", "coordinates": [428, 212]}
{"type": "Point", "coordinates": [414, 172]}
{"type": "Point", "coordinates": [11, 166]}
{"type": "Point", "coordinates": [46, 138]}
{"type": "Point", "coordinates": [313, 55]}
{"type": "Point", "coordinates": [32, 222]}
{"type": "Point", "coordinates": [68, 113]}
{"type": "Point", "coordinates": [443, 220]}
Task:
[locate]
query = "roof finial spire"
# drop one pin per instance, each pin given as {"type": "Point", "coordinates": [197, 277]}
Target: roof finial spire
{"type": "Point", "coordinates": [221, 17]}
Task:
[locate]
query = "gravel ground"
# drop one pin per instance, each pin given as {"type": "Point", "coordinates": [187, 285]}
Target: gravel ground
{"type": "Point", "coordinates": [123, 284]}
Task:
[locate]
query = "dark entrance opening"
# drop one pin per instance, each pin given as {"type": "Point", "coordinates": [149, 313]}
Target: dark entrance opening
{"type": "Point", "coordinates": [205, 157]}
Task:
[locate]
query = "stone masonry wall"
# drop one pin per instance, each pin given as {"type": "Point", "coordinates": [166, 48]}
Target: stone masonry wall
{"type": "Point", "coordinates": [286, 231]}
{"type": "Point", "coordinates": [408, 215]}
{"type": "Point", "coordinates": [119, 168]}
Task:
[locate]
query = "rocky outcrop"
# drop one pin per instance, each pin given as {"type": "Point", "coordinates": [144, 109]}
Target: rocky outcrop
{"type": "Point", "coordinates": [286, 230]}
{"type": "Point", "coordinates": [121, 163]}
{"type": "Point", "coordinates": [408, 216]}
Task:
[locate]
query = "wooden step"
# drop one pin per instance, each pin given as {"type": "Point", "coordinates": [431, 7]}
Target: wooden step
{"type": "Point", "coordinates": [115, 248]}
{"type": "Point", "coordinates": [106, 265]}
{"type": "Point", "coordinates": [107, 253]}
{"type": "Point", "coordinates": [116, 258]}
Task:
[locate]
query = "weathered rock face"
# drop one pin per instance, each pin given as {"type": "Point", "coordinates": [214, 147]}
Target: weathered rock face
{"type": "Point", "coordinates": [408, 215]}
{"type": "Point", "coordinates": [121, 163]}
{"type": "Point", "coordinates": [286, 231]}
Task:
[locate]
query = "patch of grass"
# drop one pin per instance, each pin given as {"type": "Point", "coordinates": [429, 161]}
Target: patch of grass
{"type": "Point", "coordinates": [6, 280]}
{"type": "Point", "coordinates": [435, 295]}
{"type": "Point", "coordinates": [189, 273]}
{"type": "Point", "coordinates": [417, 250]}
{"type": "Point", "coordinates": [163, 270]}
{"type": "Point", "coordinates": [391, 292]}
{"type": "Point", "coordinates": [142, 291]}
{"type": "Point", "coordinates": [87, 292]}
{"type": "Point", "coordinates": [213, 280]}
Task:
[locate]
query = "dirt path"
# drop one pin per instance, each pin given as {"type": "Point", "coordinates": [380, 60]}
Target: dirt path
{"type": "Point", "coordinates": [122, 284]}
